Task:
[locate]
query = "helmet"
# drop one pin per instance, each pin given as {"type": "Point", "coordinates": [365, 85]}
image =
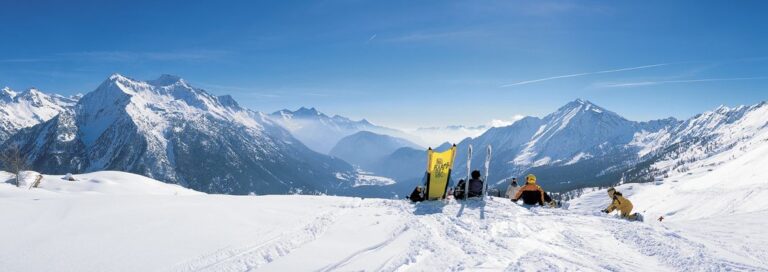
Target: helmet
{"type": "Point", "coordinates": [475, 174]}
{"type": "Point", "coordinates": [530, 179]}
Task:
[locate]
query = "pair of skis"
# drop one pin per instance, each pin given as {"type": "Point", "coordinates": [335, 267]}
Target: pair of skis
{"type": "Point", "coordinates": [487, 165]}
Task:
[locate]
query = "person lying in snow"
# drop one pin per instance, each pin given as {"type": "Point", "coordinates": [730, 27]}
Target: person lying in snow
{"type": "Point", "coordinates": [619, 202]}
{"type": "Point", "coordinates": [531, 193]}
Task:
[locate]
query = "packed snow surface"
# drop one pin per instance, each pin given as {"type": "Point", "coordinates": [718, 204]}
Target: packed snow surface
{"type": "Point", "coordinates": [87, 225]}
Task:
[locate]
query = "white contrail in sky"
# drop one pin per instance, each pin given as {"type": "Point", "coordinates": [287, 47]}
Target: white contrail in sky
{"type": "Point", "coordinates": [584, 74]}
{"type": "Point", "coordinates": [649, 83]}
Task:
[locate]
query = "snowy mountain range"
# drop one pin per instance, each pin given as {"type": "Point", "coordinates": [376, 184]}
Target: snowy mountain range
{"type": "Point", "coordinates": [169, 130]}
{"type": "Point", "coordinates": [582, 144]}
{"type": "Point", "coordinates": [714, 216]}
{"type": "Point", "coordinates": [28, 108]}
{"type": "Point", "coordinates": [321, 132]}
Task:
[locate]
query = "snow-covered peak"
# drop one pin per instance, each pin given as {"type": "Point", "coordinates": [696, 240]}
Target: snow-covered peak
{"type": "Point", "coordinates": [229, 102]}
{"type": "Point", "coordinates": [586, 115]}
{"type": "Point", "coordinates": [7, 90]}
{"type": "Point", "coordinates": [166, 80]}
{"type": "Point", "coordinates": [151, 104]}
{"type": "Point", "coordinates": [28, 108]}
{"type": "Point", "coordinates": [364, 121]}
{"type": "Point", "coordinates": [165, 91]}
{"type": "Point", "coordinates": [7, 94]}
{"type": "Point", "coordinates": [118, 78]}
{"type": "Point", "coordinates": [582, 106]}
{"type": "Point", "coordinates": [307, 112]}
{"type": "Point", "coordinates": [32, 94]}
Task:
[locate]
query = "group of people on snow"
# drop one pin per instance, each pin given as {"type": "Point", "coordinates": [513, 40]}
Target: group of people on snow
{"type": "Point", "coordinates": [530, 193]}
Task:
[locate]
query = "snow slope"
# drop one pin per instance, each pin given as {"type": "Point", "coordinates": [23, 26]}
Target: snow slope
{"type": "Point", "coordinates": [73, 230]}
{"type": "Point", "coordinates": [106, 183]}
{"type": "Point", "coordinates": [719, 201]}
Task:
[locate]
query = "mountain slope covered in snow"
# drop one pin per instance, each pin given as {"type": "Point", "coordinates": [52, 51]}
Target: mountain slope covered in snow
{"type": "Point", "coordinates": [718, 200]}
{"type": "Point", "coordinates": [583, 145]}
{"type": "Point", "coordinates": [28, 108]}
{"type": "Point", "coordinates": [169, 130]}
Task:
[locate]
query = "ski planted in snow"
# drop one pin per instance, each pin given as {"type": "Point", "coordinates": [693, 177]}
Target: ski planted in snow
{"type": "Point", "coordinates": [487, 166]}
{"type": "Point", "coordinates": [469, 171]}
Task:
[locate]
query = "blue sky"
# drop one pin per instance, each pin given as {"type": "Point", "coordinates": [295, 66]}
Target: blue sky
{"type": "Point", "coordinates": [404, 63]}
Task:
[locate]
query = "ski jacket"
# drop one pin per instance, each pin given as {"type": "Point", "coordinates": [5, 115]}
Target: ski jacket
{"type": "Point", "coordinates": [511, 191]}
{"type": "Point", "coordinates": [475, 186]}
{"type": "Point", "coordinates": [531, 194]}
{"type": "Point", "coordinates": [620, 203]}
{"type": "Point", "coordinates": [416, 195]}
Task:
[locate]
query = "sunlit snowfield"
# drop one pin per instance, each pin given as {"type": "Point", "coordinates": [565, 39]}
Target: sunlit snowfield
{"type": "Point", "coordinates": [113, 221]}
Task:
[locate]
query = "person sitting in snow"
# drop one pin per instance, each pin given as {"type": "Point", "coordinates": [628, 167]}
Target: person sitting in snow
{"type": "Point", "coordinates": [531, 193]}
{"type": "Point", "coordinates": [619, 202]}
{"type": "Point", "coordinates": [458, 191]}
{"type": "Point", "coordinates": [417, 195]}
{"type": "Point", "coordinates": [475, 185]}
{"type": "Point", "coordinates": [512, 189]}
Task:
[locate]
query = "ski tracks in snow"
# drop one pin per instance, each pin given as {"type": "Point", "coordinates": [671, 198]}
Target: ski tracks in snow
{"type": "Point", "coordinates": [246, 258]}
{"type": "Point", "coordinates": [373, 248]}
{"type": "Point", "coordinates": [393, 235]}
{"type": "Point", "coordinates": [674, 250]}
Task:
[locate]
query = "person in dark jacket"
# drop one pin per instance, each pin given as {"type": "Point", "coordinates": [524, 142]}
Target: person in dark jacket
{"type": "Point", "coordinates": [475, 185]}
{"type": "Point", "coordinates": [458, 191]}
{"type": "Point", "coordinates": [531, 193]}
{"type": "Point", "coordinates": [417, 195]}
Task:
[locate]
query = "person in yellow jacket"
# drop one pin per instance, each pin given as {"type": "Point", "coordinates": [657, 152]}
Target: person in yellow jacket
{"type": "Point", "coordinates": [620, 203]}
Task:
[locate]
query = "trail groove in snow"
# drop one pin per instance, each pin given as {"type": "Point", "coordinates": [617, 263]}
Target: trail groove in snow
{"type": "Point", "coordinates": [430, 236]}
{"type": "Point", "coordinates": [251, 257]}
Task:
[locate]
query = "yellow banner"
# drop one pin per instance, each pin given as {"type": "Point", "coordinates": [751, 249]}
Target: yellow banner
{"type": "Point", "coordinates": [439, 167]}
